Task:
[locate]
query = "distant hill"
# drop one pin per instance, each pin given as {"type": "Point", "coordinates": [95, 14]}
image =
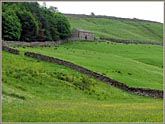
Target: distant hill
{"type": "Point", "coordinates": [116, 27]}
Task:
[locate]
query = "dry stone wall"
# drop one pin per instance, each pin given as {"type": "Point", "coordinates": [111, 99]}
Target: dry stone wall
{"type": "Point", "coordinates": [11, 50]}
{"type": "Point", "coordinates": [142, 91]}
{"type": "Point", "coordinates": [21, 43]}
{"type": "Point", "coordinates": [131, 41]}
{"type": "Point", "coordinates": [52, 43]}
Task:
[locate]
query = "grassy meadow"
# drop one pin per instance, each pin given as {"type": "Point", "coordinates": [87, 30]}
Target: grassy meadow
{"type": "Point", "coordinates": [39, 91]}
{"type": "Point", "coordinates": [119, 28]}
{"type": "Point", "coordinates": [136, 65]}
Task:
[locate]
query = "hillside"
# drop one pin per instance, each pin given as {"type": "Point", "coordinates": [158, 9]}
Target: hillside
{"type": "Point", "coordinates": [131, 29]}
{"type": "Point", "coordinates": [39, 91]}
{"type": "Point", "coordinates": [135, 65]}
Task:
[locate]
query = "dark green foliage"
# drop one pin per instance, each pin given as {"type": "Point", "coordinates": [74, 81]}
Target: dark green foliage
{"type": "Point", "coordinates": [11, 26]}
{"type": "Point", "coordinates": [38, 13]}
{"type": "Point", "coordinates": [40, 36]}
{"type": "Point", "coordinates": [29, 26]}
{"type": "Point", "coordinates": [38, 23]}
{"type": "Point", "coordinates": [63, 26]}
{"type": "Point", "coordinates": [50, 25]}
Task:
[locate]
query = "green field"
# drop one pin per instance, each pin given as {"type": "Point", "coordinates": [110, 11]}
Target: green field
{"type": "Point", "coordinates": [39, 91]}
{"type": "Point", "coordinates": [135, 65]}
{"type": "Point", "coordinates": [119, 28]}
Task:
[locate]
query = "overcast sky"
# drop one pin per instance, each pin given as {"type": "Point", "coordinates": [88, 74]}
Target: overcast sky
{"type": "Point", "coordinates": [142, 10]}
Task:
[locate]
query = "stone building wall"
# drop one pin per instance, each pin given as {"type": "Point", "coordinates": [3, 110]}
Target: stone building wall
{"type": "Point", "coordinates": [82, 34]}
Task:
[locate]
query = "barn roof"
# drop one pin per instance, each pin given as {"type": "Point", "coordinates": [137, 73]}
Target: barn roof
{"type": "Point", "coordinates": [83, 30]}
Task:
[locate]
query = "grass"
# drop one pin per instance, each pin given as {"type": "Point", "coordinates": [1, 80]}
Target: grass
{"type": "Point", "coordinates": [136, 65]}
{"type": "Point", "coordinates": [119, 28]}
{"type": "Point", "coordinates": [38, 91]}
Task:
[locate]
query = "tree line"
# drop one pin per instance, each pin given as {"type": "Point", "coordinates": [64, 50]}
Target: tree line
{"type": "Point", "coordinates": [28, 21]}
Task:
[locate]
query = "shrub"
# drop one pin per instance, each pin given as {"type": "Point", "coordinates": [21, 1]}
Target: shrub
{"type": "Point", "coordinates": [84, 83]}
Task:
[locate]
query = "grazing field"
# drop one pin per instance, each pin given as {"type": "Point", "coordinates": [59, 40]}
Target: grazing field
{"type": "Point", "coordinates": [119, 28]}
{"type": "Point", "coordinates": [39, 91]}
{"type": "Point", "coordinates": [136, 65]}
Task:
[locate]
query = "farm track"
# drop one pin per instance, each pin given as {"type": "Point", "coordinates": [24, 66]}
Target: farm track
{"type": "Point", "coordinates": [142, 91]}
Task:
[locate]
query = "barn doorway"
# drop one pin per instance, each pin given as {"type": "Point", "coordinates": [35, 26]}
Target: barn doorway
{"type": "Point", "coordinates": [85, 37]}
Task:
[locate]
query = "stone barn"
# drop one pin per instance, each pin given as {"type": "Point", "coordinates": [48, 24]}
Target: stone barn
{"type": "Point", "coordinates": [82, 34]}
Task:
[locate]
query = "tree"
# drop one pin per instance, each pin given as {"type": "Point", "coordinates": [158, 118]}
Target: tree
{"type": "Point", "coordinates": [63, 26]}
{"type": "Point", "coordinates": [42, 17]}
{"type": "Point", "coordinates": [29, 25]}
{"type": "Point", "coordinates": [49, 24]}
{"type": "Point", "coordinates": [40, 36]}
{"type": "Point", "coordinates": [92, 14]}
{"type": "Point", "coordinates": [11, 26]}
{"type": "Point", "coordinates": [36, 22]}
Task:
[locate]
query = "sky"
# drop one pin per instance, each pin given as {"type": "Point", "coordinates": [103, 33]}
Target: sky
{"type": "Point", "coordinates": [153, 11]}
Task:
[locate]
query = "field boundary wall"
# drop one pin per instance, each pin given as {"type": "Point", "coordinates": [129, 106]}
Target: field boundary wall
{"type": "Point", "coordinates": [52, 43]}
{"type": "Point", "coordinates": [130, 41]}
{"type": "Point", "coordinates": [142, 91]}
{"type": "Point", "coordinates": [11, 50]}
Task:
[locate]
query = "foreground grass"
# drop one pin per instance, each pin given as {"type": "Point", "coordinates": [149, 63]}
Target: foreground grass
{"type": "Point", "coordinates": [83, 111]}
{"type": "Point", "coordinates": [38, 91]}
{"type": "Point", "coordinates": [136, 65]}
{"type": "Point", "coordinates": [119, 28]}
